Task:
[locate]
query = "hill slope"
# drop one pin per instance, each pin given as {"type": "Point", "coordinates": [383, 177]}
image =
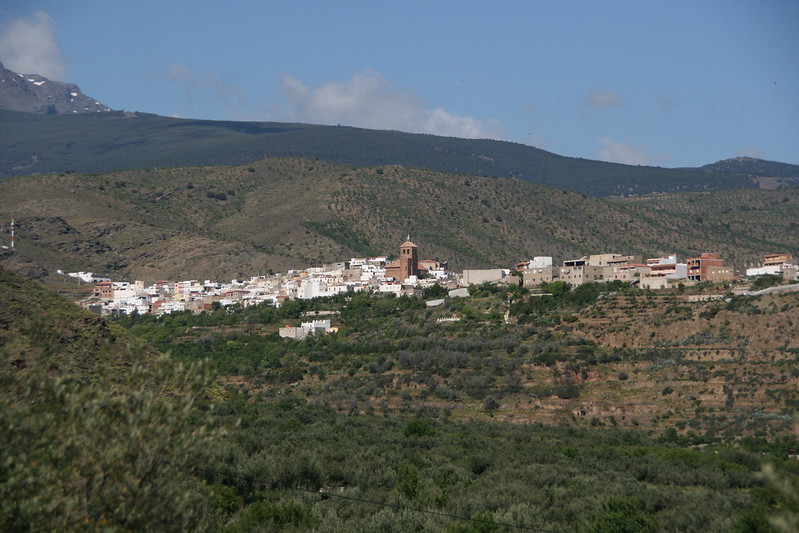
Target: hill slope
{"type": "Point", "coordinates": [117, 141]}
{"type": "Point", "coordinates": [221, 222]}
{"type": "Point", "coordinates": [768, 174]}
{"type": "Point", "coordinates": [45, 333]}
{"type": "Point", "coordinates": [97, 426]}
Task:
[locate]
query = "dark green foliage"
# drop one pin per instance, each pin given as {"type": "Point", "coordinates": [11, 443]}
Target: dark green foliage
{"type": "Point", "coordinates": [754, 167]}
{"type": "Point", "coordinates": [546, 310]}
{"type": "Point", "coordinates": [273, 517]}
{"type": "Point", "coordinates": [342, 233]}
{"type": "Point", "coordinates": [622, 515]}
{"type": "Point", "coordinates": [487, 474]}
{"type": "Point", "coordinates": [433, 292]}
{"type": "Point", "coordinates": [418, 428]}
{"type": "Point", "coordinates": [80, 456]}
{"type": "Point", "coordinates": [88, 453]}
{"type": "Point", "coordinates": [147, 141]}
{"type": "Point", "coordinates": [743, 304]}
{"type": "Point", "coordinates": [764, 282]}
{"type": "Point", "coordinates": [408, 481]}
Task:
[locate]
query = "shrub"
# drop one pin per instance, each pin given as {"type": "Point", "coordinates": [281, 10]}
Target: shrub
{"type": "Point", "coordinates": [622, 515]}
{"type": "Point", "coordinates": [418, 428]}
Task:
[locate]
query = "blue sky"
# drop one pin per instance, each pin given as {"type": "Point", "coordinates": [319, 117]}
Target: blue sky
{"type": "Point", "coordinates": [669, 83]}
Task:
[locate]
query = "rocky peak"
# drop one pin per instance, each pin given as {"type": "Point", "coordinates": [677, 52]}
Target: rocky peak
{"type": "Point", "coordinates": [31, 93]}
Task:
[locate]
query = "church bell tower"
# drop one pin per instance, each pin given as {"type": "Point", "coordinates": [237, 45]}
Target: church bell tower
{"type": "Point", "coordinates": [409, 259]}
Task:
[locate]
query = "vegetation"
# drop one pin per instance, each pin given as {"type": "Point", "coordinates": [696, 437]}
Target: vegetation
{"type": "Point", "coordinates": [281, 438]}
{"type": "Point", "coordinates": [764, 282]}
{"type": "Point", "coordinates": [116, 141]}
{"type": "Point", "coordinates": [280, 214]}
{"type": "Point", "coordinates": [99, 430]}
{"type": "Point", "coordinates": [567, 356]}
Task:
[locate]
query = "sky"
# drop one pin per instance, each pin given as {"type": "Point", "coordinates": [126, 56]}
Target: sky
{"type": "Point", "coordinates": [667, 83]}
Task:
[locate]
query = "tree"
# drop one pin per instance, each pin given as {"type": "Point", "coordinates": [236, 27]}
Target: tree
{"type": "Point", "coordinates": [622, 515]}
{"type": "Point", "coordinates": [81, 455]}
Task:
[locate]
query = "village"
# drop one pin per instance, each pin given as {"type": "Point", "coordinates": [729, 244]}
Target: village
{"type": "Point", "coordinates": [409, 275]}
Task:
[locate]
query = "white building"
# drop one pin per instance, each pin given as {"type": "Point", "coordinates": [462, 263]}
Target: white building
{"type": "Point", "coordinates": [776, 265]}
{"type": "Point", "coordinates": [315, 327]}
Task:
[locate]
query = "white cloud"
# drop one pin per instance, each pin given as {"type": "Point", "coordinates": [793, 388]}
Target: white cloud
{"type": "Point", "coordinates": [596, 100]}
{"type": "Point", "coordinates": [29, 46]}
{"type": "Point", "coordinates": [666, 104]}
{"type": "Point", "coordinates": [370, 101]}
{"type": "Point", "coordinates": [196, 87]}
{"type": "Point", "coordinates": [629, 154]}
{"type": "Point", "coordinates": [181, 74]}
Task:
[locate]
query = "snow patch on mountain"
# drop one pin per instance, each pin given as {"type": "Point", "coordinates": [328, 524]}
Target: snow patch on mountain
{"type": "Point", "coordinates": [31, 93]}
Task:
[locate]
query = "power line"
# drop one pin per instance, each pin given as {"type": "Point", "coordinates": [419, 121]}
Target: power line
{"type": "Point", "coordinates": [425, 511]}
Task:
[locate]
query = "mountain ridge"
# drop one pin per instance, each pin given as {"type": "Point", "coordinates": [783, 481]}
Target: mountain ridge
{"type": "Point", "coordinates": [106, 142]}
{"type": "Point", "coordinates": [32, 93]}
{"type": "Point", "coordinates": [89, 138]}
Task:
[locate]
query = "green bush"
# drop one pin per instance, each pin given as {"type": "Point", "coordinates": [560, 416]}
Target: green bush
{"type": "Point", "coordinates": [90, 456]}
{"type": "Point", "coordinates": [622, 515]}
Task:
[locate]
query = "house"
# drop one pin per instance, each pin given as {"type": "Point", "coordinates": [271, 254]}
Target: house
{"type": "Point", "coordinates": [662, 272]}
{"type": "Point", "coordinates": [579, 271]}
{"type": "Point", "coordinates": [775, 264]}
{"type": "Point", "coordinates": [603, 260]}
{"type": "Point", "coordinates": [104, 290]}
{"type": "Point", "coordinates": [316, 327]}
{"type": "Point", "coordinates": [626, 272]}
{"type": "Point", "coordinates": [708, 267]}
{"type": "Point", "coordinates": [538, 271]}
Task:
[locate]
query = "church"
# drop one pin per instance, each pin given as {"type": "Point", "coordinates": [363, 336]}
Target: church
{"type": "Point", "coordinates": [408, 264]}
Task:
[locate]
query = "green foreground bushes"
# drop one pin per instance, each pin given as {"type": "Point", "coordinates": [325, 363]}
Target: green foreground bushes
{"type": "Point", "coordinates": [162, 447]}
{"type": "Point", "coordinates": [85, 456]}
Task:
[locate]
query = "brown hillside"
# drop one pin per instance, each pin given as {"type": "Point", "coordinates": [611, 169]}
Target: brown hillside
{"type": "Point", "coordinates": [224, 222]}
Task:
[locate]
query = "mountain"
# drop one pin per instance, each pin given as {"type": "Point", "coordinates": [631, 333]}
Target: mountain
{"type": "Point", "coordinates": [31, 93]}
{"type": "Point", "coordinates": [768, 174]}
{"type": "Point", "coordinates": [234, 221]}
{"type": "Point", "coordinates": [89, 137]}
{"type": "Point", "coordinates": [104, 142]}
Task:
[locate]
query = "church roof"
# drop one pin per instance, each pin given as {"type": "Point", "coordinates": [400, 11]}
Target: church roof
{"type": "Point", "coordinates": [408, 243]}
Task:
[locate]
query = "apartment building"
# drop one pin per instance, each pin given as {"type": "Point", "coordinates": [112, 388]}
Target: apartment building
{"type": "Point", "coordinates": [709, 267]}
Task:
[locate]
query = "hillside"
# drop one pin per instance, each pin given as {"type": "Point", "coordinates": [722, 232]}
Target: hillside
{"type": "Point", "coordinates": [754, 167]}
{"type": "Point", "coordinates": [276, 214]}
{"type": "Point", "coordinates": [107, 142]}
{"type": "Point", "coordinates": [544, 421]}
{"type": "Point", "coordinates": [86, 412]}
{"type": "Point", "coordinates": [768, 174]}
{"type": "Point", "coordinates": [44, 333]}
{"type": "Point", "coordinates": [595, 355]}
{"type": "Point", "coordinates": [581, 382]}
